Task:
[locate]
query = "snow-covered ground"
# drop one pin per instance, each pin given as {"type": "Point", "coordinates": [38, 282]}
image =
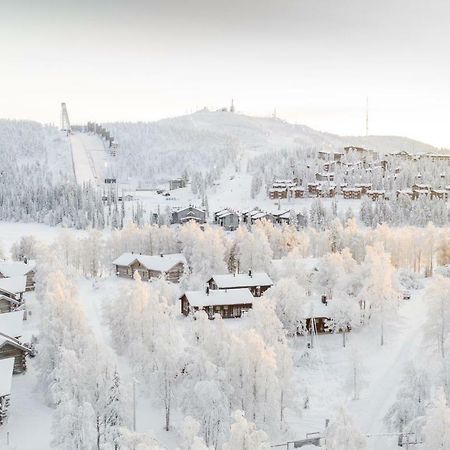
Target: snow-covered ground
{"type": "Point", "coordinates": [88, 158]}
{"type": "Point", "coordinates": [324, 375]}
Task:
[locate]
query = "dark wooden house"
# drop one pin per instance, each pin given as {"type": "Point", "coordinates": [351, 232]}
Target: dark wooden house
{"type": "Point", "coordinates": [256, 282]}
{"type": "Point", "coordinates": [172, 266]}
{"type": "Point", "coordinates": [12, 348]}
{"type": "Point", "coordinates": [228, 303]}
{"type": "Point", "coordinates": [187, 214]}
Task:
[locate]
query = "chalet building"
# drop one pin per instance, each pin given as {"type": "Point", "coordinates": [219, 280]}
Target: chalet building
{"type": "Point", "coordinates": [6, 372]}
{"type": "Point", "coordinates": [376, 194]}
{"type": "Point", "coordinates": [352, 193]}
{"type": "Point", "coordinates": [436, 157]}
{"type": "Point", "coordinates": [278, 193]}
{"type": "Point", "coordinates": [298, 192]}
{"type": "Point", "coordinates": [177, 183]}
{"type": "Point", "coordinates": [324, 155]}
{"type": "Point", "coordinates": [27, 267]}
{"type": "Point", "coordinates": [313, 189]}
{"type": "Point", "coordinates": [337, 156]}
{"type": "Point", "coordinates": [326, 191]}
{"type": "Point", "coordinates": [261, 215]}
{"type": "Point", "coordinates": [328, 166]}
{"type": "Point", "coordinates": [230, 303]}
{"type": "Point", "coordinates": [227, 218]}
{"type": "Point", "coordinates": [191, 213]}
{"type": "Point", "coordinates": [283, 217]}
{"type": "Point", "coordinates": [441, 194]}
{"type": "Point", "coordinates": [328, 176]}
{"type": "Point", "coordinates": [172, 266]}
{"type": "Point", "coordinates": [11, 293]}
{"type": "Point", "coordinates": [11, 347]}
{"type": "Point", "coordinates": [421, 187]}
{"type": "Point", "coordinates": [364, 187]}
{"type": "Point", "coordinates": [288, 184]}
{"type": "Point", "coordinates": [413, 195]}
{"type": "Point", "coordinates": [257, 283]}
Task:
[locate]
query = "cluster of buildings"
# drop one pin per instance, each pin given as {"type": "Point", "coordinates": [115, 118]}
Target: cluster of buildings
{"type": "Point", "coordinates": [424, 190]}
{"type": "Point", "coordinates": [228, 295]}
{"type": "Point", "coordinates": [15, 279]}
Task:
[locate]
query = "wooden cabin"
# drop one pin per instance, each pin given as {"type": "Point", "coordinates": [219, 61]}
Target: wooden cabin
{"type": "Point", "coordinates": [11, 293]}
{"type": "Point", "coordinates": [228, 303]}
{"type": "Point", "coordinates": [256, 282]}
{"type": "Point", "coordinates": [172, 266]}
{"type": "Point", "coordinates": [13, 348]}
{"type": "Point", "coordinates": [187, 214]}
{"type": "Point", "coordinates": [227, 218]}
{"type": "Point", "coordinates": [298, 192]}
{"type": "Point", "coordinates": [12, 269]}
{"type": "Point", "coordinates": [6, 372]}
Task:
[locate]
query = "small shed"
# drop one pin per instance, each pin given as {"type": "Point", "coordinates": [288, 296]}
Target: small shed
{"type": "Point", "coordinates": [228, 303]}
{"type": "Point", "coordinates": [256, 282]}
{"type": "Point", "coordinates": [172, 266]}
{"type": "Point", "coordinates": [6, 371]}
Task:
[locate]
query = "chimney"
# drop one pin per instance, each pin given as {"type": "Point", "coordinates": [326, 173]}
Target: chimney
{"type": "Point", "coordinates": [207, 290]}
{"type": "Point", "coordinates": [249, 272]}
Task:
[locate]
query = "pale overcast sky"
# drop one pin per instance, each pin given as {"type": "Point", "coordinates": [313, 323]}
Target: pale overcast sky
{"type": "Point", "coordinates": [314, 60]}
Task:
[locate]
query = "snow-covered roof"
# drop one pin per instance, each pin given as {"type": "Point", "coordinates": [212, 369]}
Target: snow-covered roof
{"type": "Point", "coordinates": [16, 268]}
{"type": "Point", "coordinates": [14, 285]}
{"type": "Point", "coordinates": [242, 280]}
{"type": "Point", "coordinates": [11, 323]}
{"type": "Point", "coordinates": [6, 371]}
{"type": "Point", "coordinates": [159, 263]}
{"type": "Point", "coordinates": [6, 339]}
{"type": "Point", "coordinates": [315, 308]}
{"type": "Point", "coordinates": [219, 297]}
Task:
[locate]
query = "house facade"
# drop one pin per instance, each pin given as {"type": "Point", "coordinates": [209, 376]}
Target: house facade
{"type": "Point", "coordinates": [172, 266]}
{"type": "Point", "coordinates": [187, 214]}
{"type": "Point", "coordinates": [227, 303]}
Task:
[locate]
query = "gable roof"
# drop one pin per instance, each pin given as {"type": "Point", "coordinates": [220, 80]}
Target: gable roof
{"type": "Point", "coordinates": [16, 268]}
{"type": "Point", "coordinates": [14, 285]}
{"type": "Point", "coordinates": [11, 323]}
{"type": "Point", "coordinates": [159, 263]}
{"type": "Point", "coordinates": [243, 280]}
{"type": "Point", "coordinates": [6, 371]}
{"type": "Point", "coordinates": [5, 339]}
{"type": "Point", "coordinates": [219, 297]}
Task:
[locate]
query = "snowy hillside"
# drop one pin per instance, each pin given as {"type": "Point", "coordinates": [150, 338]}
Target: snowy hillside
{"type": "Point", "coordinates": [209, 140]}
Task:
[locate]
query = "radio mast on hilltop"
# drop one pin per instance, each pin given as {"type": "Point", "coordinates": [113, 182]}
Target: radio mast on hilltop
{"type": "Point", "coordinates": [367, 116]}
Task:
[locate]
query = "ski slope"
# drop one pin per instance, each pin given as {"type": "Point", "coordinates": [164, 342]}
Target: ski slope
{"type": "Point", "coordinates": [89, 158]}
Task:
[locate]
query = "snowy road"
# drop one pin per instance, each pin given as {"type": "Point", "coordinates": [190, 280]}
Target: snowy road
{"type": "Point", "coordinates": [89, 158]}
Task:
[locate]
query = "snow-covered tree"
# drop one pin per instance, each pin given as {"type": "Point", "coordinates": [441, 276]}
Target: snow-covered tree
{"type": "Point", "coordinates": [342, 434]}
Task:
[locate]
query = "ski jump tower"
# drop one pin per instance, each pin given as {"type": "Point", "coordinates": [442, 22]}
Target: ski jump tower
{"type": "Point", "coordinates": [65, 122]}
